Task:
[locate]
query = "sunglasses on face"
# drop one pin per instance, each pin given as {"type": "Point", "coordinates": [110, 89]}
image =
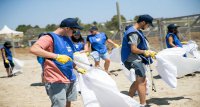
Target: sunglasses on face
{"type": "Point", "coordinates": [74, 30]}
{"type": "Point", "coordinates": [91, 31]}
{"type": "Point", "coordinates": [76, 34]}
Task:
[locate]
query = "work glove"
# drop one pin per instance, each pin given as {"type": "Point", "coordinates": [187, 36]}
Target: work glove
{"type": "Point", "coordinates": [76, 53]}
{"type": "Point", "coordinates": [150, 53]}
{"type": "Point", "coordinates": [63, 58]}
{"type": "Point", "coordinates": [116, 45]}
{"type": "Point", "coordinates": [88, 53]}
{"type": "Point", "coordinates": [184, 42]}
{"type": "Point", "coordinates": [6, 61]}
{"type": "Point", "coordinates": [81, 70]}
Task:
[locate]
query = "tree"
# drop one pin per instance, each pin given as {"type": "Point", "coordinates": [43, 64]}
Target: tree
{"type": "Point", "coordinates": [36, 26]}
{"type": "Point", "coordinates": [114, 23]}
{"type": "Point", "coordinates": [51, 27]}
{"type": "Point", "coordinates": [23, 28]}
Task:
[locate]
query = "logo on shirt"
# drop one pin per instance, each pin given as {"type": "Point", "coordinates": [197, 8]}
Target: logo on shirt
{"type": "Point", "coordinates": [76, 46]}
{"type": "Point", "coordinates": [69, 49]}
{"type": "Point", "coordinates": [98, 39]}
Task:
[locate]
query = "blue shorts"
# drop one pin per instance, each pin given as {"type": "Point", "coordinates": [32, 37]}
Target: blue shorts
{"type": "Point", "coordinates": [138, 66]}
{"type": "Point", "coordinates": [60, 93]}
{"type": "Point", "coordinates": [96, 55]}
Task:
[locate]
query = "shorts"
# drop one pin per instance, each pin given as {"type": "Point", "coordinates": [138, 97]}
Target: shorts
{"type": "Point", "coordinates": [7, 65]}
{"type": "Point", "coordinates": [96, 55]}
{"type": "Point", "coordinates": [60, 93]}
{"type": "Point", "coordinates": [138, 66]}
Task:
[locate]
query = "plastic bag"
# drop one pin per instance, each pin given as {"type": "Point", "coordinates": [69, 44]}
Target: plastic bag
{"type": "Point", "coordinates": [172, 64]}
{"type": "Point", "coordinates": [18, 66]}
{"type": "Point", "coordinates": [99, 89]}
{"type": "Point", "coordinates": [115, 55]}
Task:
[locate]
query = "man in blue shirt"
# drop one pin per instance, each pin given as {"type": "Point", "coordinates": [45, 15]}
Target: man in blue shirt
{"type": "Point", "coordinates": [97, 40]}
{"type": "Point", "coordinates": [7, 58]}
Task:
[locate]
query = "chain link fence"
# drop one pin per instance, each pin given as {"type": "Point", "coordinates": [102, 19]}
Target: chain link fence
{"type": "Point", "coordinates": [189, 30]}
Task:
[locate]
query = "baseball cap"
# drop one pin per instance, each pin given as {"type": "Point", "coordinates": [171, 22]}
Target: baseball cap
{"type": "Point", "coordinates": [7, 44]}
{"type": "Point", "coordinates": [93, 28]}
{"type": "Point", "coordinates": [147, 18]}
{"type": "Point", "coordinates": [71, 22]}
{"type": "Point", "coordinates": [172, 26]}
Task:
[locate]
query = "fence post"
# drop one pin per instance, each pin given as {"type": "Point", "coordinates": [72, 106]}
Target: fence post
{"type": "Point", "coordinates": [160, 32]}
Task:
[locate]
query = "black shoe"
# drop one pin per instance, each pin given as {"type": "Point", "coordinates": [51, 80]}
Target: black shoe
{"type": "Point", "coordinates": [10, 75]}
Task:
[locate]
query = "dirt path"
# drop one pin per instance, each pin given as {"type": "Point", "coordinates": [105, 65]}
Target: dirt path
{"type": "Point", "coordinates": [25, 90]}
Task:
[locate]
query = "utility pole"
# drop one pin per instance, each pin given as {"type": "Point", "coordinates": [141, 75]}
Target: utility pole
{"type": "Point", "coordinates": [119, 21]}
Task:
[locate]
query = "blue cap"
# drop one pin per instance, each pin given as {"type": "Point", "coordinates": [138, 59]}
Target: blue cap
{"type": "Point", "coordinates": [147, 18]}
{"type": "Point", "coordinates": [7, 44]}
{"type": "Point", "coordinates": [172, 26]}
{"type": "Point", "coordinates": [93, 28]}
{"type": "Point", "coordinates": [71, 22]}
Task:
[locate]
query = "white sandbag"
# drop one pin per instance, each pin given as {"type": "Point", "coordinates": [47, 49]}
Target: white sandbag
{"type": "Point", "coordinates": [192, 48]}
{"type": "Point", "coordinates": [88, 95]}
{"type": "Point", "coordinates": [196, 54]}
{"type": "Point", "coordinates": [172, 64]}
{"type": "Point", "coordinates": [18, 65]}
{"type": "Point", "coordinates": [167, 71]}
{"type": "Point", "coordinates": [115, 55]}
{"type": "Point", "coordinates": [130, 74]}
{"type": "Point", "coordinates": [101, 89]}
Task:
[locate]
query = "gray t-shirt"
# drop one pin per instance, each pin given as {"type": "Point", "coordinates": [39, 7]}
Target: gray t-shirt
{"type": "Point", "coordinates": [133, 39]}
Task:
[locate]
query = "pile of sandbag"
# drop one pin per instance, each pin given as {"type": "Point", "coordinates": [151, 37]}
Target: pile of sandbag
{"type": "Point", "coordinates": [98, 89]}
{"type": "Point", "coordinates": [171, 63]}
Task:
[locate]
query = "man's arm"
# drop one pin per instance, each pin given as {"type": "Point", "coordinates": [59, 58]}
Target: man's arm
{"type": "Point", "coordinates": [135, 50]}
{"type": "Point", "coordinates": [110, 41]}
{"type": "Point", "coordinates": [87, 46]}
{"type": "Point", "coordinates": [4, 54]}
{"type": "Point", "coordinates": [39, 47]}
{"type": "Point", "coordinates": [133, 41]}
{"type": "Point", "coordinates": [170, 39]}
{"type": "Point", "coordinates": [38, 51]}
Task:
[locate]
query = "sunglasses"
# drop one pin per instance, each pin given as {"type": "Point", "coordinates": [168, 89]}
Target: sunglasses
{"type": "Point", "coordinates": [76, 34]}
{"type": "Point", "coordinates": [74, 30]}
{"type": "Point", "coordinates": [91, 31]}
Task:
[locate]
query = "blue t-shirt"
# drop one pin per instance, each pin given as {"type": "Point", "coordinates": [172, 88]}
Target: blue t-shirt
{"type": "Point", "coordinates": [98, 42]}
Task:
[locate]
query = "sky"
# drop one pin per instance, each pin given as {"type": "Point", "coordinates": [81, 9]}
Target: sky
{"type": "Point", "coordinates": [43, 12]}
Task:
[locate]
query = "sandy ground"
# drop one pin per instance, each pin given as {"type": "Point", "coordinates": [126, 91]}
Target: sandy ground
{"type": "Point", "coordinates": [25, 89]}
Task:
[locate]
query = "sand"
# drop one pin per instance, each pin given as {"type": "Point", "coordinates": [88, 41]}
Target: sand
{"type": "Point", "coordinates": [25, 89]}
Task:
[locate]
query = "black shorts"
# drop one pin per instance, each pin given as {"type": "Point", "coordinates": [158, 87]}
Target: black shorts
{"type": "Point", "coordinates": [138, 66]}
{"type": "Point", "coordinates": [7, 65]}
